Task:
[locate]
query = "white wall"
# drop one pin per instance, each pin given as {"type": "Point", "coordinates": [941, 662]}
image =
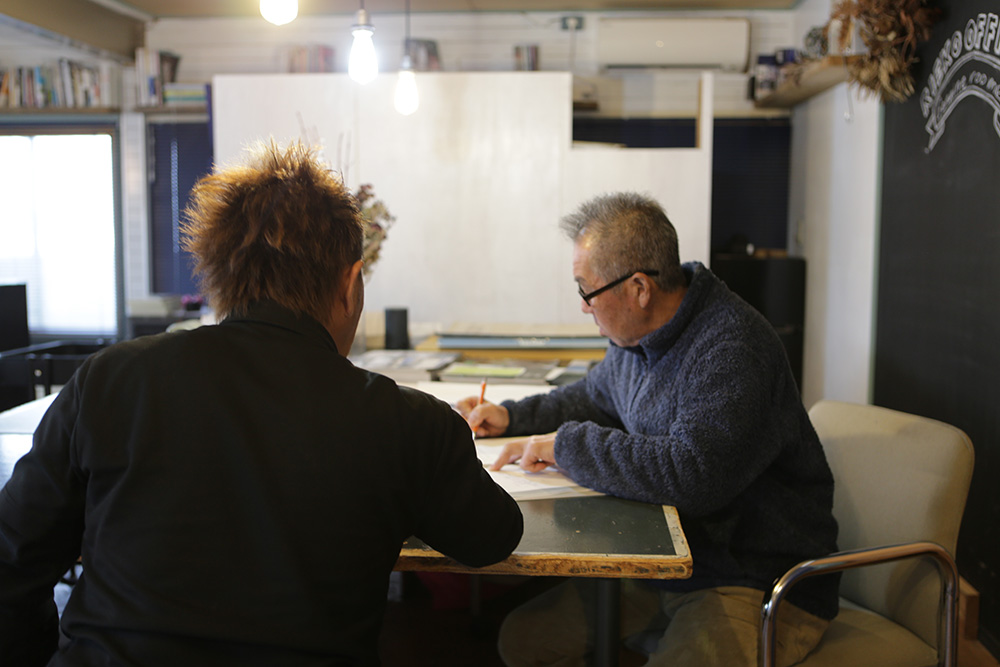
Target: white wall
{"type": "Point", "coordinates": [833, 223]}
{"type": "Point", "coordinates": [478, 178]}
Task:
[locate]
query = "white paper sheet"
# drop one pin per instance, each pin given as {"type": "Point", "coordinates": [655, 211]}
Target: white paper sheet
{"type": "Point", "coordinates": [522, 485]}
{"type": "Point", "coordinates": [453, 392]}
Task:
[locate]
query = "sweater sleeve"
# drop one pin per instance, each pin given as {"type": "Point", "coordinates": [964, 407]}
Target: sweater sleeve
{"type": "Point", "coordinates": [716, 443]}
{"type": "Point", "coordinates": [582, 400]}
{"type": "Point", "coordinates": [41, 524]}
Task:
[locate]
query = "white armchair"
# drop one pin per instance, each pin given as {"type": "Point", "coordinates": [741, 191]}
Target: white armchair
{"type": "Point", "coordinates": [902, 481]}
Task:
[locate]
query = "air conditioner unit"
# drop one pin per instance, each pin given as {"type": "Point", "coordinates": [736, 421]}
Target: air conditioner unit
{"type": "Point", "coordinates": [713, 43]}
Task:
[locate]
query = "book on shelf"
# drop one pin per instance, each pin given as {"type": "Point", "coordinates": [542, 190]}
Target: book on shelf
{"type": "Point", "coordinates": [423, 54]}
{"type": "Point", "coordinates": [185, 94]}
{"type": "Point", "coordinates": [513, 371]}
{"type": "Point", "coordinates": [405, 365]}
{"type": "Point", "coordinates": [64, 84]}
{"type": "Point", "coordinates": [153, 69]}
{"type": "Point", "coordinates": [310, 58]}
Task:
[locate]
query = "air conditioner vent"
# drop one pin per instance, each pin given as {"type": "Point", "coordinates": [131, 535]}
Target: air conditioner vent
{"type": "Point", "coordinates": [713, 43]}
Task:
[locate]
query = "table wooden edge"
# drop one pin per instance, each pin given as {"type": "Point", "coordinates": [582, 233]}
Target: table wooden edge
{"type": "Point", "coordinates": [631, 566]}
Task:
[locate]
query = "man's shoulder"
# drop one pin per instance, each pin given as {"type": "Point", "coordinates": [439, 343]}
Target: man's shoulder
{"type": "Point", "coordinates": [725, 311]}
{"type": "Point", "coordinates": [128, 351]}
{"type": "Point", "coordinates": [403, 402]}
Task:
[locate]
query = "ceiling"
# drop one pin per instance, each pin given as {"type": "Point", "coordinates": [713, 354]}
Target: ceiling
{"type": "Point", "coordinates": [116, 27]}
{"type": "Point", "coordinates": [236, 8]}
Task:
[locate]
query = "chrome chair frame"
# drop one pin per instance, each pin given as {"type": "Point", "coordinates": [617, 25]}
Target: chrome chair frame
{"type": "Point", "coordinates": [948, 608]}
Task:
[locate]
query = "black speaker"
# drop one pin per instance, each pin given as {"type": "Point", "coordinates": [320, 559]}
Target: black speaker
{"type": "Point", "coordinates": [776, 287]}
{"type": "Point", "coordinates": [397, 333]}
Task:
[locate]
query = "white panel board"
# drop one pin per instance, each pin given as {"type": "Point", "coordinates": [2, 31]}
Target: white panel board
{"type": "Point", "coordinates": [477, 179]}
{"type": "Point", "coordinates": [674, 177]}
{"type": "Point", "coordinates": [473, 178]}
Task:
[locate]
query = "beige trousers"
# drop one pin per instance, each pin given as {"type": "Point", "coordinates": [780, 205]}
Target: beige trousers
{"type": "Point", "coordinates": [715, 627]}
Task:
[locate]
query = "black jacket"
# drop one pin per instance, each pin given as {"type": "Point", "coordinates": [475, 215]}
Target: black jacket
{"type": "Point", "coordinates": [239, 494]}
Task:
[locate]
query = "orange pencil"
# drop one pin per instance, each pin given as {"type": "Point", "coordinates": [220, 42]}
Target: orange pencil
{"type": "Point", "coordinates": [482, 392]}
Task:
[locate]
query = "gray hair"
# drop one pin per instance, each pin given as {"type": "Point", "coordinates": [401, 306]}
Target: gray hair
{"type": "Point", "coordinates": [630, 232]}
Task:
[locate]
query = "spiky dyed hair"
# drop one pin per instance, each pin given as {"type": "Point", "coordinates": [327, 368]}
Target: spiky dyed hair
{"type": "Point", "coordinates": [279, 226]}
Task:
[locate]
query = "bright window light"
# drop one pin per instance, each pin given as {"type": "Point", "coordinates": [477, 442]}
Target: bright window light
{"type": "Point", "coordinates": [57, 233]}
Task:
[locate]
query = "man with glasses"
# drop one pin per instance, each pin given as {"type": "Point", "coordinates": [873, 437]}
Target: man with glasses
{"type": "Point", "coordinates": [694, 406]}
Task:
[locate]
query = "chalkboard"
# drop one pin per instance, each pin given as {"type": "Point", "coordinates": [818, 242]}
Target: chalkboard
{"type": "Point", "coordinates": [937, 349]}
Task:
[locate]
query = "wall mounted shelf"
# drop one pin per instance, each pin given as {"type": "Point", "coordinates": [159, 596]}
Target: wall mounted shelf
{"type": "Point", "coordinates": [58, 111]}
{"type": "Point", "coordinates": [816, 77]}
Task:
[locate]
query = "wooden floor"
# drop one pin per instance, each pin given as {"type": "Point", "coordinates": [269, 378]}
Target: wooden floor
{"type": "Point", "coordinates": [972, 654]}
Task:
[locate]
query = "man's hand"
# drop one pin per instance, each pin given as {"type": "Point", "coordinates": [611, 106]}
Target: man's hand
{"type": "Point", "coordinates": [486, 420]}
{"type": "Point", "coordinates": [535, 453]}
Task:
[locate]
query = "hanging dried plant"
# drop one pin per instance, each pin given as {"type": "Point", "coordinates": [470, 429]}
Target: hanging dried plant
{"type": "Point", "coordinates": [891, 31]}
{"type": "Point", "coordinates": [377, 221]}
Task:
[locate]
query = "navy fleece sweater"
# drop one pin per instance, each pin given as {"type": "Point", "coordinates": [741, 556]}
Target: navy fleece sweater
{"type": "Point", "coordinates": [704, 414]}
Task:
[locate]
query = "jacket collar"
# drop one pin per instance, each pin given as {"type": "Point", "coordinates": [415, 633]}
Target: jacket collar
{"type": "Point", "coordinates": [700, 281]}
{"type": "Point", "coordinates": [273, 314]}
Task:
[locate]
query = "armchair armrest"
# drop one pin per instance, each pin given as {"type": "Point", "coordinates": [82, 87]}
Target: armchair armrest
{"type": "Point", "coordinates": [844, 560]}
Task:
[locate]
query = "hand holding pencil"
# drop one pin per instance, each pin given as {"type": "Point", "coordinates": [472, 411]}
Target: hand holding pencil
{"type": "Point", "coordinates": [486, 420]}
{"type": "Point", "coordinates": [482, 392]}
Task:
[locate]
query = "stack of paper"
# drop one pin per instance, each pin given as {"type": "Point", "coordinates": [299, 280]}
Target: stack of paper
{"type": "Point", "coordinates": [404, 365]}
{"type": "Point", "coordinates": [522, 485]}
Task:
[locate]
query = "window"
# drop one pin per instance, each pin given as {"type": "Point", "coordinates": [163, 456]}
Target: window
{"type": "Point", "coordinates": [58, 228]}
{"type": "Point", "coordinates": [181, 153]}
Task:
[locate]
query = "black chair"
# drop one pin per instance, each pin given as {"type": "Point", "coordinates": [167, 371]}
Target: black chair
{"type": "Point", "coordinates": [16, 386]}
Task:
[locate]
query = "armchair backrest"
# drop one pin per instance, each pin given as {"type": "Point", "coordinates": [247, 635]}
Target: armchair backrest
{"type": "Point", "coordinates": [897, 478]}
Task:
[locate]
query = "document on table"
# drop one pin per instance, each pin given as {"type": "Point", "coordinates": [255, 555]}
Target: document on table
{"type": "Point", "coordinates": [453, 392]}
{"type": "Point", "coordinates": [522, 485]}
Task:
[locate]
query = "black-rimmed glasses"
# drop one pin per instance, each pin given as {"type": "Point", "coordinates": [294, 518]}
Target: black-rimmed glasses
{"type": "Point", "coordinates": [588, 296]}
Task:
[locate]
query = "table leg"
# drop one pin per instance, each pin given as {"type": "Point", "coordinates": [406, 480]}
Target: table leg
{"type": "Point", "coordinates": [607, 622]}
{"type": "Point", "coordinates": [475, 595]}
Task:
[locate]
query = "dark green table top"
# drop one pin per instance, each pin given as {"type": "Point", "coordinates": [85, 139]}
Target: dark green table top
{"type": "Point", "coordinates": [595, 536]}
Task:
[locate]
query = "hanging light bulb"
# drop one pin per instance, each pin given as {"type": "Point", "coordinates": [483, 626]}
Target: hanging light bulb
{"type": "Point", "coordinates": [362, 65]}
{"type": "Point", "coordinates": [279, 12]}
{"type": "Point", "coordinates": [407, 97]}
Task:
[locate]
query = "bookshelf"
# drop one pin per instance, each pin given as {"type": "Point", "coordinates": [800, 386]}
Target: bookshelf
{"type": "Point", "coordinates": [59, 87]}
{"type": "Point", "coordinates": [167, 110]}
{"type": "Point", "coordinates": [7, 112]}
{"type": "Point", "coordinates": [815, 77]}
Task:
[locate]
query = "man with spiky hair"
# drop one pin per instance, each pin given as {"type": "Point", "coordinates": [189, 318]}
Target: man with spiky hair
{"type": "Point", "coordinates": [239, 493]}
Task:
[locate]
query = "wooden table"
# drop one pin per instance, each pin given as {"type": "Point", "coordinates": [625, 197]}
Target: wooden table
{"type": "Point", "coordinates": [595, 536]}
